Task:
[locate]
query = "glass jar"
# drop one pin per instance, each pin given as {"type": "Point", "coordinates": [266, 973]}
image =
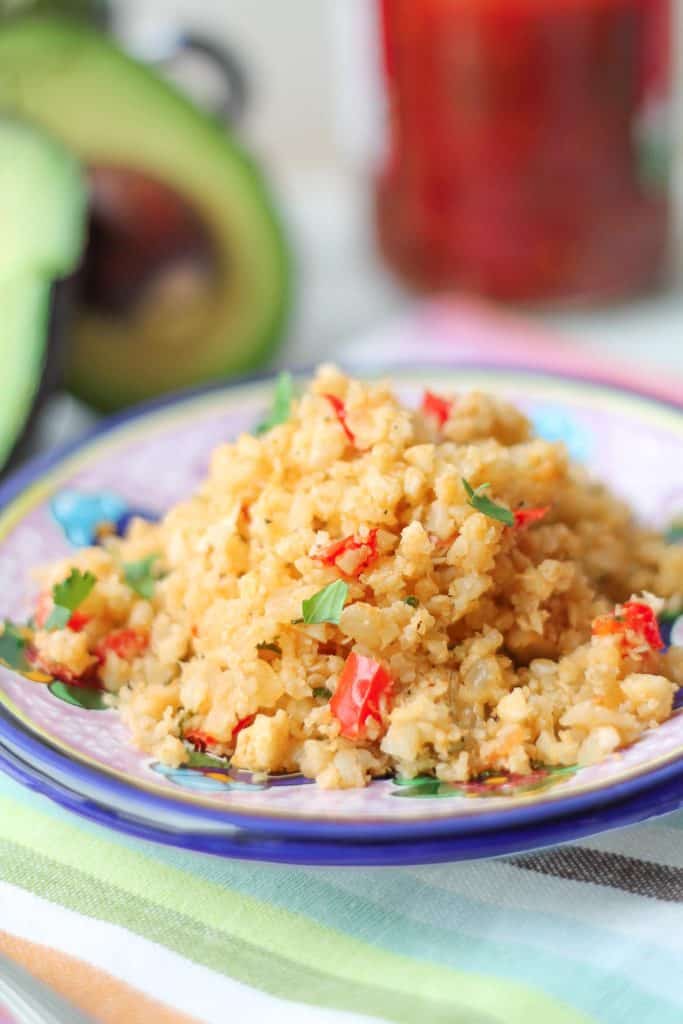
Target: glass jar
{"type": "Point", "coordinates": [528, 144]}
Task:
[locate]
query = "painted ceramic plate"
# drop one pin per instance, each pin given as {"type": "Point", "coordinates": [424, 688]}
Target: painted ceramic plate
{"type": "Point", "coordinates": [147, 460]}
{"type": "Point", "coordinates": [245, 844]}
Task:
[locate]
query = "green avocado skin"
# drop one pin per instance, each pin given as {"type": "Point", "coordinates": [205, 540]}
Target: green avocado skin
{"type": "Point", "coordinates": [111, 110]}
{"type": "Point", "coordinates": [43, 202]}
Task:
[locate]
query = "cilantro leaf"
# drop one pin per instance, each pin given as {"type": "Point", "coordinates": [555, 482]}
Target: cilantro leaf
{"type": "Point", "coordinates": [322, 692]}
{"type": "Point", "coordinates": [326, 605]}
{"type": "Point", "coordinates": [487, 507]}
{"type": "Point", "coordinates": [139, 577]}
{"type": "Point", "coordinates": [412, 601]}
{"type": "Point", "coordinates": [282, 402]}
{"type": "Point", "coordinates": [196, 759]}
{"type": "Point", "coordinates": [12, 645]}
{"type": "Point", "coordinates": [67, 596]}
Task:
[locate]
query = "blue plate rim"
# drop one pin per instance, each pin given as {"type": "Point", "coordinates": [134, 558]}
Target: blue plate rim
{"type": "Point", "coordinates": [20, 737]}
{"type": "Point", "coordinates": [253, 846]}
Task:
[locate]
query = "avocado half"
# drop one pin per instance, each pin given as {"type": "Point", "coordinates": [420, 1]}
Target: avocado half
{"type": "Point", "coordinates": [43, 201]}
{"type": "Point", "coordinates": [186, 277]}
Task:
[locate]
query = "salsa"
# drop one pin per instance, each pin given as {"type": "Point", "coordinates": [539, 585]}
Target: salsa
{"type": "Point", "coordinates": [527, 146]}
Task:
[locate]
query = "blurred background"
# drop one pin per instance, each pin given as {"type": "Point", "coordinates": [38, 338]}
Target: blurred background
{"type": "Point", "coordinates": [523, 151]}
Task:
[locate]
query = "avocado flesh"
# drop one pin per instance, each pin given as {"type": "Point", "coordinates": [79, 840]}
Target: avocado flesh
{"type": "Point", "coordinates": [42, 212]}
{"type": "Point", "coordinates": [42, 201]}
{"type": "Point", "coordinates": [112, 111]}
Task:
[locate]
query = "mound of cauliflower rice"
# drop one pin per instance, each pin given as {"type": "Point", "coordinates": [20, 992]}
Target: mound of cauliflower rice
{"type": "Point", "coordinates": [366, 589]}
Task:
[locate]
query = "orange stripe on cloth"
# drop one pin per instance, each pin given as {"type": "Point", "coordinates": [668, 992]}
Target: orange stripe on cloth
{"type": "Point", "coordinates": [104, 998]}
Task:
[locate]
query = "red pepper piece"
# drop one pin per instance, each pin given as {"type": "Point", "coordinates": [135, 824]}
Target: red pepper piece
{"type": "Point", "coordinates": [126, 643]}
{"type": "Point", "coordinates": [641, 619]}
{"type": "Point", "coordinates": [44, 605]}
{"type": "Point", "coordinates": [243, 723]}
{"type": "Point", "coordinates": [436, 407]}
{"type": "Point", "coordinates": [607, 625]}
{"type": "Point", "coordinates": [88, 680]}
{"type": "Point", "coordinates": [199, 739]}
{"type": "Point", "coordinates": [78, 621]}
{"type": "Point", "coordinates": [330, 554]}
{"type": "Point", "coordinates": [340, 412]}
{"type": "Point", "coordinates": [636, 623]}
{"type": "Point", "coordinates": [364, 687]}
{"type": "Point", "coordinates": [526, 516]}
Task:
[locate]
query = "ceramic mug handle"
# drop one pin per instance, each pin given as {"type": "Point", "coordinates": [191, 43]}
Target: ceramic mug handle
{"type": "Point", "coordinates": [167, 49]}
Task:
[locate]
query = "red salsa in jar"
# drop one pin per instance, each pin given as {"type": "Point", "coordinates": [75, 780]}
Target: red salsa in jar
{"type": "Point", "coordinates": [528, 143]}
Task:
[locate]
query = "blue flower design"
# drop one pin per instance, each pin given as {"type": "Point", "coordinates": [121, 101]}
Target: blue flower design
{"type": "Point", "coordinates": [206, 778]}
{"type": "Point", "coordinates": [190, 778]}
{"type": "Point", "coordinates": [553, 423]}
{"type": "Point", "coordinates": [86, 516]}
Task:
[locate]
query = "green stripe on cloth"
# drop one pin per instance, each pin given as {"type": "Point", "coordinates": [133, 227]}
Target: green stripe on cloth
{"type": "Point", "coordinates": [477, 927]}
{"type": "Point", "coordinates": [398, 911]}
{"type": "Point", "coordinates": [284, 953]}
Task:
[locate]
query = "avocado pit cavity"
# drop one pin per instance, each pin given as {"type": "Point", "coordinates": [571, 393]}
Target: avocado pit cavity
{"type": "Point", "coordinates": [146, 244]}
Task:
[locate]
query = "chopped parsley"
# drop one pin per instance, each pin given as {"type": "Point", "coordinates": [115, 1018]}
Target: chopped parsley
{"type": "Point", "coordinates": [322, 692]}
{"type": "Point", "coordinates": [326, 605]}
{"type": "Point", "coordinates": [67, 596]}
{"type": "Point", "coordinates": [489, 508]}
{"type": "Point", "coordinates": [12, 645]}
{"type": "Point", "coordinates": [412, 601]}
{"type": "Point", "coordinates": [282, 403]}
{"type": "Point", "coordinates": [198, 759]}
{"type": "Point", "coordinates": [269, 646]}
{"type": "Point", "coordinates": [139, 576]}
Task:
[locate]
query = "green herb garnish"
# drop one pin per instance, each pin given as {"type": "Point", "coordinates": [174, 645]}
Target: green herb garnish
{"type": "Point", "coordinates": [79, 696]}
{"type": "Point", "coordinates": [322, 692]}
{"type": "Point", "coordinates": [412, 601]}
{"type": "Point", "coordinates": [197, 759]}
{"type": "Point", "coordinates": [484, 505]}
{"type": "Point", "coordinates": [269, 646]}
{"type": "Point", "coordinates": [12, 645]}
{"type": "Point", "coordinates": [326, 605]}
{"type": "Point", "coordinates": [674, 535]}
{"type": "Point", "coordinates": [139, 576]}
{"type": "Point", "coordinates": [67, 596]}
{"type": "Point", "coordinates": [282, 403]}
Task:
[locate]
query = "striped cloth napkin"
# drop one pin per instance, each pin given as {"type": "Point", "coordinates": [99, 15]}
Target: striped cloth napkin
{"type": "Point", "coordinates": [133, 932]}
{"type": "Point", "coordinates": [127, 931]}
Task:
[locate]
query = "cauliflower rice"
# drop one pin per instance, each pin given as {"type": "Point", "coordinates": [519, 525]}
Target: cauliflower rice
{"type": "Point", "coordinates": [488, 646]}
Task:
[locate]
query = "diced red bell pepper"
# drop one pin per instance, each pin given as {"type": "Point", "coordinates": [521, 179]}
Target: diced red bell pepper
{"type": "Point", "coordinates": [363, 691]}
{"type": "Point", "coordinates": [607, 625]}
{"type": "Point", "coordinates": [641, 619]}
{"type": "Point", "coordinates": [436, 407]}
{"type": "Point", "coordinates": [243, 723]}
{"type": "Point", "coordinates": [330, 554]}
{"type": "Point", "coordinates": [44, 605]}
{"type": "Point", "coordinates": [88, 680]}
{"type": "Point", "coordinates": [126, 643]}
{"type": "Point", "coordinates": [635, 622]}
{"type": "Point", "coordinates": [340, 412]}
{"type": "Point", "coordinates": [526, 516]}
{"type": "Point", "coordinates": [78, 621]}
{"type": "Point", "coordinates": [199, 739]}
